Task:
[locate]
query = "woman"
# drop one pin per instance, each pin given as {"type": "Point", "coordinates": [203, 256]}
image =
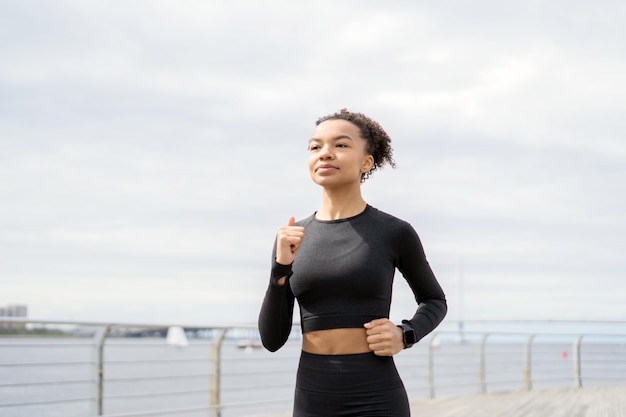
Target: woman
{"type": "Point", "coordinates": [339, 264]}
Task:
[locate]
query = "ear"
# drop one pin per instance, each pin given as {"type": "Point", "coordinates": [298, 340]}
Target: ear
{"type": "Point", "coordinates": [368, 163]}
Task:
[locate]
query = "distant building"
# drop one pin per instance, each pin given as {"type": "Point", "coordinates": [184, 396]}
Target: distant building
{"type": "Point", "coordinates": [17, 310]}
{"type": "Point", "coordinates": [13, 310]}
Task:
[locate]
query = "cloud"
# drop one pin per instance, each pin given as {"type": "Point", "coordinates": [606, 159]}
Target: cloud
{"type": "Point", "coordinates": [164, 142]}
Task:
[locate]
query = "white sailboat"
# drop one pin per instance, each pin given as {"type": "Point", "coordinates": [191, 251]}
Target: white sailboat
{"type": "Point", "coordinates": [461, 297]}
{"type": "Point", "coordinates": [249, 345]}
{"type": "Point", "coordinates": [176, 337]}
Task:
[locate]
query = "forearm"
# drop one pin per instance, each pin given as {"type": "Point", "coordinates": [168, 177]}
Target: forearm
{"type": "Point", "coordinates": [276, 316]}
{"type": "Point", "coordinates": [428, 316]}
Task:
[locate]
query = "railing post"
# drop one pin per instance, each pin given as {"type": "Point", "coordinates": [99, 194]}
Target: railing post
{"type": "Point", "coordinates": [430, 374]}
{"type": "Point", "coordinates": [482, 374]}
{"type": "Point", "coordinates": [578, 380]}
{"type": "Point", "coordinates": [528, 376]}
{"type": "Point", "coordinates": [215, 381]}
{"type": "Point", "coordinates": [98, 346]}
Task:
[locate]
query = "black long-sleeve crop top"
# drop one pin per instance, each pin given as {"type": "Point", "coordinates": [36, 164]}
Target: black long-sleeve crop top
{"type": "Point", "coordinates": [342, 277]}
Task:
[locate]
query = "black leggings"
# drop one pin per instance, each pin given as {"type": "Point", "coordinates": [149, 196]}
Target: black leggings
{"type": "Point", "coordinates": [360, 385]}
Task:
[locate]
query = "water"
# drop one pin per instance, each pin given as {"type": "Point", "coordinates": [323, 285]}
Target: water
{"type": "Point", "coordinates": [145, 374]}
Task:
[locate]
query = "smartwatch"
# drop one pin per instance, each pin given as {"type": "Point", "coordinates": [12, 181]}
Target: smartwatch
{"type": "Point", "coordinates": [408, 334]}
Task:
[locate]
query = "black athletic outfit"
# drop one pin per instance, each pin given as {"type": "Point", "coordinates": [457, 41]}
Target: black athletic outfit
{"type": "Point", "coordinates": [342, 277]}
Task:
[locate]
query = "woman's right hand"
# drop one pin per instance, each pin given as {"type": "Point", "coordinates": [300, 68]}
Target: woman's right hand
{"type": "Point", "coordinates": [288, 240]}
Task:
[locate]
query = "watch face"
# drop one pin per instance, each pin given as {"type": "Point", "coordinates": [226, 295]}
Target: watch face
{"type": "Point", "coordinates": [409, 337]}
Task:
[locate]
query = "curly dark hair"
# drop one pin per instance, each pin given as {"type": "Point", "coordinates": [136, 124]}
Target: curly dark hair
{"type": "Point", "coordinates": [378, 141]}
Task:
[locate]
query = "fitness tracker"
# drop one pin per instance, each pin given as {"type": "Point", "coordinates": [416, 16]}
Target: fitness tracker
{"type": "Point", "coordinates": [408, 334]}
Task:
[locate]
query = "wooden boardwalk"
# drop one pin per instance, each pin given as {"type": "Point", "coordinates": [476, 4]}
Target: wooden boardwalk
{"type": "Point", "coordinates": [574, 402]}
{"type": "Point", "coordinates": [581, 402]}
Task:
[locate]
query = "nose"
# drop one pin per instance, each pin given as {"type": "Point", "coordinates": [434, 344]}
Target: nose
{"type": "Point", "coordinates": [325, 153]}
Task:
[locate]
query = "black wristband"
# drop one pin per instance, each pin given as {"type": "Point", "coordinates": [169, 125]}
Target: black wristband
{"type": "Point", "coordinates": [279, 271]}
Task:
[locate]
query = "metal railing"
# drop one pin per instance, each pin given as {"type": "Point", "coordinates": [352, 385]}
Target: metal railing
{"type": "Point", "coordinates": [126, 369]}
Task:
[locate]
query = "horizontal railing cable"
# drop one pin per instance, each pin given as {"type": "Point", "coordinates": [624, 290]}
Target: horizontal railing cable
{"type": "Point", "coordinates": [39, 364]}
{"type": "Point", "coordinates": [46, 402]}
{"type": "Point", "coordinates": [157, 378]}
{"type": "Point", "coordinates": [154, 361]}
{"type": "Point", "coordinates": [264, 387]}
{"type": "Point", "coordinates": [44, 383]}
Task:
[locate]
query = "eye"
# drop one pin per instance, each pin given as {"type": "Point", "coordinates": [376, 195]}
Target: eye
{"type": "Point", "coordinates": [314, 147]}
{"type": "Point", "coordinates": [342, 145]}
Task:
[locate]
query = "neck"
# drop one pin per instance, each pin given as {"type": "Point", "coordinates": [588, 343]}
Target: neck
{"type": "Point", "coordinates": [340, 204]}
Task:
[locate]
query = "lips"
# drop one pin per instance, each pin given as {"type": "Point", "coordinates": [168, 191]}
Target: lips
{"type": "Point", "coordinates": [325, 168]}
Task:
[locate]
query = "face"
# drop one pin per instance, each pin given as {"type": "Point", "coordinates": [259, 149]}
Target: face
{"type": "Point", "coordinates": [338, 154]}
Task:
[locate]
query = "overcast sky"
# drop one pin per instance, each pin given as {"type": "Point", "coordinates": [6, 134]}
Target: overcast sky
{"type": "Point", "coordinates": [150, 149]}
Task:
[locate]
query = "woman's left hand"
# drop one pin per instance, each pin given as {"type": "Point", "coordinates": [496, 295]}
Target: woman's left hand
{"type": "Point", "coordinates": [384, 337]}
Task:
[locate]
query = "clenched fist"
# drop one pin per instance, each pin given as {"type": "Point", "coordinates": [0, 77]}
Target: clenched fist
{"type": "Point", "coordinates": [384, 337]}
{"type": "Point", "coordinates": [288, 240]}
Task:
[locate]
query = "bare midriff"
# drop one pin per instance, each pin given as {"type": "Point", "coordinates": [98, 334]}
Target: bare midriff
{"type": "Point", "coordinates": [335, 341]}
